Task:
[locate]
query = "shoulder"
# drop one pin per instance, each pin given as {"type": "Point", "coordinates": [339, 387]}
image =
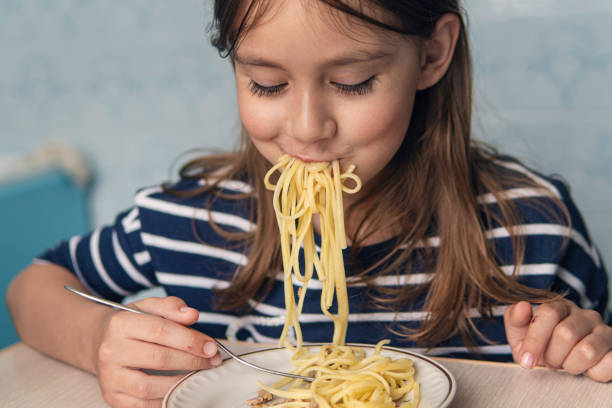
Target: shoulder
{"type": "Point", "coordinates": [519, 180]}
{"type": "Point", "coordinates": [168, 205]}
{"type": "Point", "coordinates": [545, 215]}
{"type": "Point", "coordinates": [556, 245]}
{"type": "Point", "coordinates": [192, 192]}
{"type": "Point", "coordinates": [538, 198]}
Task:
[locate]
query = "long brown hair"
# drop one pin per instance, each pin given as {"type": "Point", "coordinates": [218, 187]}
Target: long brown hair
{"type": "Point", "coordinates": [443, 172]}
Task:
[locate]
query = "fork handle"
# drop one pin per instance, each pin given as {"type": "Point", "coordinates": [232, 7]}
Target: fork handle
{"type": "Point", "coordinates": [219, 344]}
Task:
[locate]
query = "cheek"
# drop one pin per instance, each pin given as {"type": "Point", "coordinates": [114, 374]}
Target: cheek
{"type": "Point", "coordinates": [260, 119]}
{"type": "Point", "coordinates": [382, 124]}
{"type": "Point", "coordinates": [377, 133]}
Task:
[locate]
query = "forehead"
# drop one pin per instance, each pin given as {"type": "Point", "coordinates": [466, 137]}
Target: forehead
{"type": "Point", "coordinates": [330, 8]}
{"type": "Point", "coordinates": [270, 20]}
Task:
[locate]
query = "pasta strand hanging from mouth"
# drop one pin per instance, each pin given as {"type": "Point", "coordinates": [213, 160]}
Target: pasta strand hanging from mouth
{"type": "Point", "coordinates": [344, 377]}
{"type": "Point", "coordinates": [303, 190]}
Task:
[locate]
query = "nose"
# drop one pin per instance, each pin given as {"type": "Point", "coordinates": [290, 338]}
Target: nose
{"type": "Point", "coordinates": [311, 118]}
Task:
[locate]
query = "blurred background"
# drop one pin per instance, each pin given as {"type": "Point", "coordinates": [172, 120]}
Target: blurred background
{"type": "Point", "coordinates": [100, 97]}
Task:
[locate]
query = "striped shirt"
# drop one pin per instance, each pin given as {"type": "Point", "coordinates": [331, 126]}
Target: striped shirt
{"type": "Point", "coordinates": [153, 244]}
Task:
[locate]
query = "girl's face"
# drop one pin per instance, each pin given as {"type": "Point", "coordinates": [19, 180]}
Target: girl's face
{"type": "Point", "coordinates": [311, 88]}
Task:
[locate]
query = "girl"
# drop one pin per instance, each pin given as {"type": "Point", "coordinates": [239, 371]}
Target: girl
{"type": "Point", "coordinates": [450, 244]}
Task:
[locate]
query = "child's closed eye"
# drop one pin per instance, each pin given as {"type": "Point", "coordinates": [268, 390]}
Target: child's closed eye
{"type": "Point", "coordinates": [360, 88]}
{"type": "Point", "coordinates": [261, 90]}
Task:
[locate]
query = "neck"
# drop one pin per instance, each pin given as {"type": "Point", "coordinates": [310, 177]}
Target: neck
{"type": "Point", "coordinates": [369, 234]}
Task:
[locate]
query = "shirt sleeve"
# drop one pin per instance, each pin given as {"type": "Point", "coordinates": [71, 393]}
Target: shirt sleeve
{"type": "Point", "coordinates": [111, 261]}
{"type": "Point", "coordinates": [581, 272]}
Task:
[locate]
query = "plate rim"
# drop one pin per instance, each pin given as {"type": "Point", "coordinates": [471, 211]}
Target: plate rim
{"type": "Point", "coordinates": [451, 379]}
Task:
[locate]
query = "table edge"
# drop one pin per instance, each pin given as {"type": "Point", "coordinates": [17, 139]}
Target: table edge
{"type": "Point", "coordinates": [11, 346]}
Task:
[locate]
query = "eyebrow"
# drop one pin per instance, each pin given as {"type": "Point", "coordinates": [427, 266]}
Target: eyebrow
{"type": "Point", "coordinates": [353, 57]}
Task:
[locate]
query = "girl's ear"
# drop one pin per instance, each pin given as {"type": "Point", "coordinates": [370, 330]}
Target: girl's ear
{"type": "Point", "coordinates": [437, 51]}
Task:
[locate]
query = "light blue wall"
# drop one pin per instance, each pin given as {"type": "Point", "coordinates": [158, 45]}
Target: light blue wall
{"type": "Point", "coordinates": [544, 93]}
{"type": "Point", "coordinates": [132, 83]}
{"type": "Point", "coordinates": [135, 83]}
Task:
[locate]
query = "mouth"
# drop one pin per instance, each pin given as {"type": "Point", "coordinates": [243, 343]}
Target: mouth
{"type": "Point", "coordinates": [310, 159]}
{"type": "Point", "coordinates": [329, 162]}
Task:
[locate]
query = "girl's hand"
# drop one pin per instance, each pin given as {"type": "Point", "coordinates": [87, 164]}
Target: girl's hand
{"type": "Point", "coordinates": [560, 335]}
{"type": "Point", "coordinates": [128, 342]}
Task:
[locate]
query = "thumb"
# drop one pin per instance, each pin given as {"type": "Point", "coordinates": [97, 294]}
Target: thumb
{"type": "Point", "coordinates": [517, 318]}
{"type": "Point", "coordinates": [170, 307]}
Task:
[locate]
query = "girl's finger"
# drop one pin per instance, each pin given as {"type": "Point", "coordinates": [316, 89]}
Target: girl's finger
{"type": "Point", "coordinates": [516, 323]}
{"type": "Point", "coordinates": [170, 307]}
{"type": "Point", "coordinates": [139, 385]}
{"type": "Point", "coordinates": [587, 353]}
{"type": "Point", "coordinates": [544, 320]}
{"type": "Point", "coordinates": [153, 329]}
{"type": "Point", "coordinates": [139, 354]}
{"type": "Point", "coordinates": [602, 371]}
{"type": "Point", "coordinates": [564, 337]}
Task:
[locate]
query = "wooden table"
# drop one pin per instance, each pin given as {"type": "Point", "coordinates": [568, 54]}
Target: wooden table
{"type": "Point", "coordinates": [30, 379]}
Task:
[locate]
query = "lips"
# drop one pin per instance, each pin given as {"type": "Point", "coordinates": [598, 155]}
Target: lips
{"type": "Point", "coordinates": [311, 159]}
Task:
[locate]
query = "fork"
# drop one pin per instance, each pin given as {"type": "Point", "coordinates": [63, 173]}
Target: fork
{"type": "Point", "coordinates": [219, 344]}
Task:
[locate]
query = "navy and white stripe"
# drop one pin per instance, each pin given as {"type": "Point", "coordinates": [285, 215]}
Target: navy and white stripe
{"type": "Point", "coordinates": [154, 244]}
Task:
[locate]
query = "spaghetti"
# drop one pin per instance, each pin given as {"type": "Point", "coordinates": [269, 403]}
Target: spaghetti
{"type": "Point", "coordinates": [344, 376]}
{"type": "Point", "coordinates": [302, 190]}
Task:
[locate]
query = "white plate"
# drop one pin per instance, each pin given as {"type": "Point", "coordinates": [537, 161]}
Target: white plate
{"type": "Point", "coordinates": [231, 384]}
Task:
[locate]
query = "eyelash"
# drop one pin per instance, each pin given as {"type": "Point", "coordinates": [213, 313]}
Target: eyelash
{"type": "Point", "coordinates": [260, 90]}
{"type": "Point", "coordinates": [361, 88]}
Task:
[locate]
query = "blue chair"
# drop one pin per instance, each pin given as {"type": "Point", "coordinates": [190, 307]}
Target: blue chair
{"type": "Point", "coordinates": [36, 212]}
